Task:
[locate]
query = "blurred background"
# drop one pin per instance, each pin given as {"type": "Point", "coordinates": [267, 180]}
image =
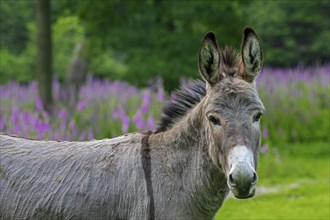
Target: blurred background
{"type": "Point", "coordinates": [84, 69]}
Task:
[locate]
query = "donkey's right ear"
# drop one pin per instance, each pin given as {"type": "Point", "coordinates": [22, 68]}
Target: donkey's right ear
{"type": "Point", "coordinates": [251, 55]}
{"type": "Point", "coordinates": [209, 59]}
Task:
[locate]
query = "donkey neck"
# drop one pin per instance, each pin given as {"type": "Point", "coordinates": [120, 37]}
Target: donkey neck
{"type": "Point", "coordinates": [185, 133]}
{"type": "Point", "coordinates": [184, 148]}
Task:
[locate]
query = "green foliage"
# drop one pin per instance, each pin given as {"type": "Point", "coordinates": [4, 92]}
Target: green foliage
{"type": "Point", "coordinates": [18, 67]}
{"type": "Point", "coordinates": [160, 37]}
{"type": "Point", "coordinates": [137, 40]}
{"type": "Point", "coordinates": [67, 32]}
{"type": "Point", "coordinates": [106, 64]}
{"type": "Point", "coordinates": [14, 15]}
{"type": "Point", "coordinates": [293, 32]}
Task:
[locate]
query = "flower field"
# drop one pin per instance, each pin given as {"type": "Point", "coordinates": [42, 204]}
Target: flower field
{"type": "Point", "coordinates": [105, 109]}
{"type": "Point", "coordinates": [297, 104]}
{"type": "Point", "coordinates": [296, 101]}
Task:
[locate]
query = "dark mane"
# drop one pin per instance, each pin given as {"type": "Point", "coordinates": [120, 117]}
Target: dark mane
{"type": "Point", "coordinates": [180, 103]}
{"type": "Point", "coordinates": [187, 97]}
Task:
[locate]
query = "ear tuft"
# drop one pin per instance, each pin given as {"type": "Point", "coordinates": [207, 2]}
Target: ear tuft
{"type": "Point", "coordinates": [251, 55]}
{"type": "Point", "coordinates": [210, 36]}
{"type": "Point", "coordinates": [249, 31]}
{"type": "Point", "coordinates": [209, 59]}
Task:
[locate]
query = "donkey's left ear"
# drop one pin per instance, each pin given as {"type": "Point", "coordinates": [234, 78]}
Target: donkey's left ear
{"type": "Point", "coordinates": [209, 59]}
{"type": "Point", "coordinates": [251, 55]}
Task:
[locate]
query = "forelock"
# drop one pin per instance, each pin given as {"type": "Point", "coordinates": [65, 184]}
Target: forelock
{"type": "Point", "coordinates": [235, 92]}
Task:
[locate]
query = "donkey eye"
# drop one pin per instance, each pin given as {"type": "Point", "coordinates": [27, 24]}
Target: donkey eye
{"type": "Point", "coordinates": [214, 120]}
{"type": "Point", "coordinates": [257, 117]}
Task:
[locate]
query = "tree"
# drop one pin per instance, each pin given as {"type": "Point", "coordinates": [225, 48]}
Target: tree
{"type": "Point", "coordinates": [158, 37]}
{"type": "Point", "coordinates": [293, 32]}
{"type": "Point", "coordinates": [13, 28]}
{"type": "Point", "coordinates": [44, 54]}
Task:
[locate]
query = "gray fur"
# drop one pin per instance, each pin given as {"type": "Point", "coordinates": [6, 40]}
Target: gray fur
{"type": "Point", "coordinates": [104, 179]}
{"type": "Point", "coordinates": [71, 180]}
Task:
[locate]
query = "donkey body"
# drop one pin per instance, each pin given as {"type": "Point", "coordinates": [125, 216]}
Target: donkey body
{"type": "Point", "coordinates": [206, 145]}
{"type": "Point", "coordinates": [64, 180]}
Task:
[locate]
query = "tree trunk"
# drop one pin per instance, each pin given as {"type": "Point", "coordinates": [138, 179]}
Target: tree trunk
{"type": "Point", "coordinates": [44, 54]}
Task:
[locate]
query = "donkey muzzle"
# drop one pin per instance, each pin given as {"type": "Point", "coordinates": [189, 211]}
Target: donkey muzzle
{"type": "Point", "coordinates": [242, 177]}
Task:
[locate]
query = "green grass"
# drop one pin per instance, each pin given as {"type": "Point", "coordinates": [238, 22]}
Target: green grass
{"type": "Point", "coordinates": [306, 165]}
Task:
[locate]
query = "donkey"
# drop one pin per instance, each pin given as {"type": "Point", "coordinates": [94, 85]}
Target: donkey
{"type": "Point", "coordinates": [206, 145]}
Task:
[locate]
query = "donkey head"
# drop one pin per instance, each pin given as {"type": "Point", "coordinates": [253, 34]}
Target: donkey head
{"type": "Point", "coordinates": [232, 109]}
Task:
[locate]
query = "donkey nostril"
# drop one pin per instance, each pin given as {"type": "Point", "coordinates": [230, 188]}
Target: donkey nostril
{"type": "Point", "coordinates": [255, 178]}
{"type": "Point", "coordinates": [231, 180]}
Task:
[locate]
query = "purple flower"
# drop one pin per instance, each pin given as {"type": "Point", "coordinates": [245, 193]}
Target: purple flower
{"type": "Point", "coordinates": [41, 128]}
{"type": "Point", "coordinates": [2, 123]}
{"type": "Point", "coordinates": [82, 136]}
{"type": "Point", "coordinates": [264, 148]}
{"type": "Point", "coordinates": [14, 116]}
{"type": "Point", "coordinates": [34, 121]}
{"type": "Point", "coordinates": [38, 104]}
{"type": "Point", "coordinates": [161, 95]}
{"type": "Point", "coordinates": [115, 114]}
{"type": "Point", "coordinates": [125, 123]}
{"type": "Point", "coordinates": [265, 133]}
{"type": "Point", "coordinates": [90, 134]}
{"type": "Point", "coordinates": [63, 116]}
{"type": "Point", "coordinates": [25, 118]}
{"type": "Point", "coordinates": [81, 105]}
{"type": "Point", "coordinates": [17, 129]}
{"type": "Point", "coordinates": [150, 122]}
{"type": "Point", "coordinates": [138, 120]}
{"type": "Point", "coordinates": [73, 128]}
{"type": "Point", "coordinates": [146, 101]}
